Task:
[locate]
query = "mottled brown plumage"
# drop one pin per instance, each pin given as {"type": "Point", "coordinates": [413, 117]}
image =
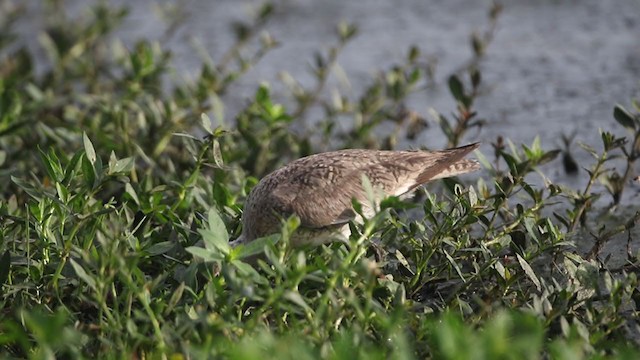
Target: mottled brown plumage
{"type": "Point", "coordinates": [319, 188]}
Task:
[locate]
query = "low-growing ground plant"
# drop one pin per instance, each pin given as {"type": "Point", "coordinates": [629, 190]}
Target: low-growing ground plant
{"type": "Point", "coordinates": [119, 199]}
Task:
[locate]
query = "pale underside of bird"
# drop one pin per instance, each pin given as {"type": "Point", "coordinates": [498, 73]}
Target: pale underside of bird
{"type": "Point", "coordinates": [320, 189]}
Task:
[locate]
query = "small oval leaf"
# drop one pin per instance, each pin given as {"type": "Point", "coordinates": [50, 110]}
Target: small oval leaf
{"type": "Point", "coordinates": [88, 148]}
{"type": "Point", "coordinates": [624, 118]}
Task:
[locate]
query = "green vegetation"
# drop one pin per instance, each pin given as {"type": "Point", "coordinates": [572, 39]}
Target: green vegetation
{"type": "Point", "coordinates": [111, 184]}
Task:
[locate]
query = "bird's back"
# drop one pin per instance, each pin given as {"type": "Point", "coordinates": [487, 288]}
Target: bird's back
{"type": "Point", "coordinates": [319, 188]}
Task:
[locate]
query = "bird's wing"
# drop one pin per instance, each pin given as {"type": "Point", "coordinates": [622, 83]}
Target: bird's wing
{"type": "Point", "coordinates": [322, 195]}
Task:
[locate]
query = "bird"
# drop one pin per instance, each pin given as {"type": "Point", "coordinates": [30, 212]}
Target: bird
{"type": "Point", "coordinates": [320, 189]}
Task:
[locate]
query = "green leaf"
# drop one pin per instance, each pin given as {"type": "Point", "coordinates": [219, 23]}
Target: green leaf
{"type": "Point", "coordinates": [477, 44]}
{"type": "Point", "coordinates": [175, 297]}
{"type": "Point", "coordinates": [82, 274]}
{"type": "Point", "coordinates": [476, 78]}
{"type": "Point", "coordinates": [52, 165]}
{"type": "Point", "coordinates": [28, 188]}
{"type": "Point", "coordinates": [290, 226]}
{"type": "Point", "coordinates": [454, 264]}
{"type": "Point", "coordinates": [445, 126]}
{"type": "Point", "coordinates": [48, 328]}
{"type": "Point", "coordinates": [63, 192]}
{"type": "Point", "coordinates": [414, 54]}
{"type": "Point", "coordinates": [70, 169]}
{"type": "Point", "coordinates": [121, 166]}
{"type": "Point", "coordinates": [457, 88]}
{"type": "Point", "coordinates": [132, 192]}
{"type": "Point", "coordinates": [530, 225]}
{"type": "Point", "coordinates": [548, 156]}
{"type": "Point", "coordinates": [88, 148]}
{"type": "Point", "coordinates": [89, 172]}
{"type": "Point", "coordinates": [36, 94]}
{"type": "Point", "coordinates": [217, 154]}
{"type": "Point", "coordinates": [263, 96]}
{"type": "Point", "coordinates": [214, 241]}
{"type": "Point", "coordinates": [217, 107]}
{"type": "Point", "coordinates": [529, 271]}
{"type": "Point", "coordinates": [185, 135]}
{"type": "Point", "coordinates": [403, 260]}
{"type": "Point", "coordinates": [191, 180]}
{"type": "Point", "coordinates": [160, 248]}
{"type": "Point", "coordinates": [394, 202]}
{"type": "Point", "coordinates": [297, 299]}
{"type": "Point", "coordinates": [369, 190]}
{"type": "Point", "coordinates": [215, 222]}
{"type": "Point", "coordinates": [473, 196]}
{"type": "Point", "coordinates": [248, 270]}
{"type": "Point", "coordinates": [624, 118]}
{"type": "Point", "coordinates": [206, 123]}
{"type": "Point", "coordinates": [216, 235]}
{"type": "Point", "coordinates": [499, 268]}
{"type": "Point", "coordinates": [512, 162]}
{"type": "Point", "coordinates": [204, 254]}
{"type": "Point", "coordinates": [346, 31]}
{"type": "Point", "coordinates": [256, 246]}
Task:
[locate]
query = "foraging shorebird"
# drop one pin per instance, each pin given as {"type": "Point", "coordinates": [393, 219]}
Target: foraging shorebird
{"type": "Point", "coordinates": [319, 189]}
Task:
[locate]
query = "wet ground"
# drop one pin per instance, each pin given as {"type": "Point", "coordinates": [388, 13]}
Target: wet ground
{"type": "Point", "coordinates": [554, 66]}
